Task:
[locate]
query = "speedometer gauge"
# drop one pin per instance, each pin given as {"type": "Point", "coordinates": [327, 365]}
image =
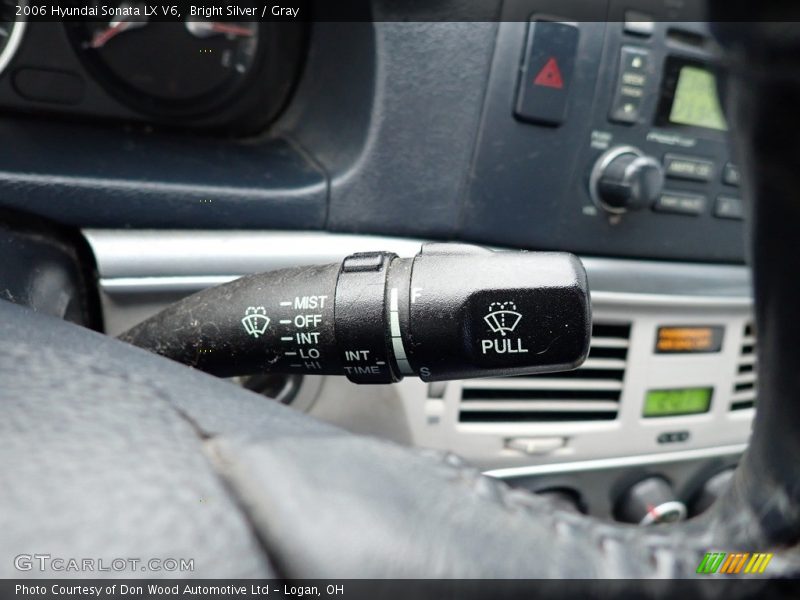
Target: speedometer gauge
{"type": "Point", "coordinates": [12, 27]}
{"type": "Point", "coordinates": [174, 68]}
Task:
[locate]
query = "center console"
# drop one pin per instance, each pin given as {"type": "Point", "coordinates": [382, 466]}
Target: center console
{"type": "Point", "coordinates": [606, 138]}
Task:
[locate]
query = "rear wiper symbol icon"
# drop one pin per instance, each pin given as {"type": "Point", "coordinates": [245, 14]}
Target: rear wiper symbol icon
{"type": "Point", "coordinates": [503, 317]}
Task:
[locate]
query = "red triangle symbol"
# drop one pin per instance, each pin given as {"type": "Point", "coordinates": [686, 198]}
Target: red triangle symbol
{"type": "Point", "coordinates": [550, 75]}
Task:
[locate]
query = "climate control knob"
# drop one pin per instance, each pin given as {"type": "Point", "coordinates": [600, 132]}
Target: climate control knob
{"type": "Point", "coordinates": [649, 502]}
{"type": "Point", "coordinates": [712, 490]}
{"type": "Point", "coordinates": [624, 178]}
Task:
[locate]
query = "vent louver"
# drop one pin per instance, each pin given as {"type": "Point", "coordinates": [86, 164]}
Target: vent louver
{"type": "Point", "coordinates": [590, 393]}
{"type": "Point", "coordinates": [745, 383]}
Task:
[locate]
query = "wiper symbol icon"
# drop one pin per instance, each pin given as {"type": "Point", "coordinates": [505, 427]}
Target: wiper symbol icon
{"type": "Point", "coordinates": [255, 320]}
{"type": "Point", "coordinates": [503, 317]}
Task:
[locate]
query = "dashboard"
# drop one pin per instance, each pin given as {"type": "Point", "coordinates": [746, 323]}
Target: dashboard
{"type": "Point", "coordinates": [189, 153]}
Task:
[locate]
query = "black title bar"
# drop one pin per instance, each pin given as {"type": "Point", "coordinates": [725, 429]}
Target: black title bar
{"type": "Point", "coordinates": [398, 10]}
{"type": "Point", "coordinates": [391, 589]}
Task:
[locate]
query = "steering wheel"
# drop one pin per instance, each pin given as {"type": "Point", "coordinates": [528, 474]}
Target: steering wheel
{"type": "Point", "coordinates": [111, 452]}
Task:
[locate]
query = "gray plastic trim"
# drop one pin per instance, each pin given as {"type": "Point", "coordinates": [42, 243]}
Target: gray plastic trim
{"type": "Point", "coordinates": [618, 462]}
{"type": "Point", "coordinates": [670, 300]}
{"type": "Point", "coordinates": [185, 260]}
{"type": "Point", "coordinates": [172, 254]}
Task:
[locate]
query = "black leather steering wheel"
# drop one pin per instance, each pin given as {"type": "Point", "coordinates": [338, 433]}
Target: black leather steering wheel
{"type": "Point", "coordinates": [109, 451]}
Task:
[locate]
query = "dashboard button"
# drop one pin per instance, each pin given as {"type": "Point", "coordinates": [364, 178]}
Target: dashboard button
{"type": "Point", "coordinates": [650, 502]}
{"type": "Point", "coordinates": [680, 203]}
{"type": "Point", "coordinates": [632, 83]}
{"type": "Point", "coordinates": [727, 207]}
{"type": "Point", "coordinates": [547, 72]}
{"type": "Point", "coordinates": [635, 60]}
{"type": "Point", "coordinates": [730, 175]}
{"type": "Point", "coordinates": [626, 110]}
{"type": "Point", "coordinates": [637, 23]}
{"type": "Point", "coordinates": [533, 445]}
{"type": "Point", "coordinates": [687, 167]}
{"type": "Point", "coordinates": [361, 262]}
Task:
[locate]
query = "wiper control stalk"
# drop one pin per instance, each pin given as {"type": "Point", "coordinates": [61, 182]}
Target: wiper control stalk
{"type": "Point", "coordinates": [454, 311]}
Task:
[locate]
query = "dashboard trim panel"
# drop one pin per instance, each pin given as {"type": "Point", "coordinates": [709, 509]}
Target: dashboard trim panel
{"type": "Point", "coordinates": [143, 271]}
{"type": "Point", "coordinates": [618, 462]}
{"type": "Point", "coordinates": [152, 255]}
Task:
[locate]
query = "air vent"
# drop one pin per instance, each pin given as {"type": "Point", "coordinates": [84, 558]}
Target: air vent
{"type": "Point", "coordinates": [745, 383]}
{"type": "Point", "coordinates": [590, 393]}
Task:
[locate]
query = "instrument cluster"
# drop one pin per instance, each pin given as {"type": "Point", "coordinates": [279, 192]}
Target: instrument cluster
{"type": "Point", "coordinates": [196, 72]}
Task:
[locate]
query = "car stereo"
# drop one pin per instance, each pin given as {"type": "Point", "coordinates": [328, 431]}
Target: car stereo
{"type": "Point", "coordinates": [606, 138]}
{"type": "Point", "coordinates": [688, 97]}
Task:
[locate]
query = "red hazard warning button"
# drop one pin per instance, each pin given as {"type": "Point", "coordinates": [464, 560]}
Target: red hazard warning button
{"type": "Point", "coordinates": [550, 75]}
{"type": "Point", "coordinates": [547, 72]}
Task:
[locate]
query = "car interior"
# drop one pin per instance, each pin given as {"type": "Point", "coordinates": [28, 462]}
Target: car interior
{"type": "Point", "coordinates": [397, 290]}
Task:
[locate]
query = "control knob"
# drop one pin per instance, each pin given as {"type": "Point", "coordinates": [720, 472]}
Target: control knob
{"type": "Point", "coordinates": [712, 490]}
{"type": "Point", "coordinates": [649, 502]}
{"type": "Point", "coordinates": [624, 178]}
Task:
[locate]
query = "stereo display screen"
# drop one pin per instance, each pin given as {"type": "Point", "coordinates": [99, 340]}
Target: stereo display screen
{"type": "Point", "coordinates": [695, 102]}
{"type": "Point", "coordinates": [671, 403]}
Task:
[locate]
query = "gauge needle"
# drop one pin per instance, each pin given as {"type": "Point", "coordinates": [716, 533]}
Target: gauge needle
{"type": "Point", "coordinates": [232, 29]}
{"type": "Point", "coordinates": [115, 27]}
{"type": "Point", "coordinates": [208, 28]}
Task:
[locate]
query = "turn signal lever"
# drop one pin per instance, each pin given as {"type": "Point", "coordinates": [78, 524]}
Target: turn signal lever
{"type": "Point", "coordinates": [452, 312]}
